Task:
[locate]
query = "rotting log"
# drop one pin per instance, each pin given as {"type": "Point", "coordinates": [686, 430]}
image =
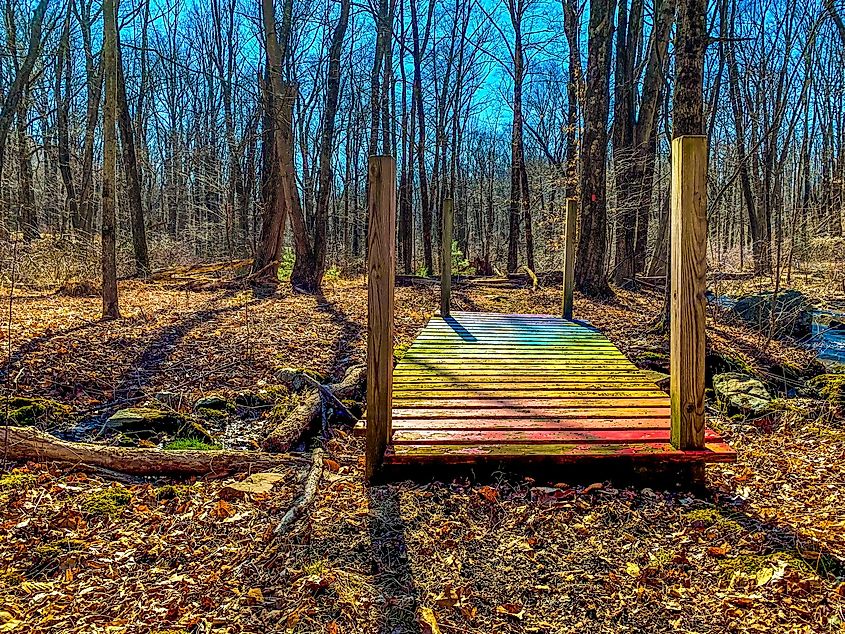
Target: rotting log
{"type": "Point", "coordinates": [688, 284]}
{"type": "Point", "coordinates": [27, 443]}
{"type": "Point", "coordinates": [284, 434]}
{"type": "Point", "coordinates": [381, 269]}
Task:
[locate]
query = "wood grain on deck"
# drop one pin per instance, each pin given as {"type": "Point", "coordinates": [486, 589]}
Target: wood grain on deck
{"type": "Point", "coordinates": [482, 386]}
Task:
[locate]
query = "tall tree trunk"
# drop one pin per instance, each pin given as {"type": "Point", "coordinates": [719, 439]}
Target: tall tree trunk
{"type": "Point", "coordinates": [425, 197]}
{"type": "Point", "coordinates": [590, 276]}
{"type": "Point", "coordinates": [286, 195]}
{"type": "Point", "coordinates": [109, 65]}
{"type": "Point", "coordinates": [130, 167]}
{"type": "Point", "coordinates": [312, 275]}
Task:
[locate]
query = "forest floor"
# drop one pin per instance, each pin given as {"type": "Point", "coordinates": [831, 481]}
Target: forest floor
{"type": "Point", "coordinates": [760, 548]}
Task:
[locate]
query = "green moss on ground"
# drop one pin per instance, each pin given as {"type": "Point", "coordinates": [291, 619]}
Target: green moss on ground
{"type": "Point", "coordinates": [711, 518]}
{"type": "Point", "coordinates": [399, 351]}
{"type": "Point", "coordinates": [170, 492]}
{"type": "Point", "coordinates": [10, 578]}
{"type": "Point", "coordinates": [751, 565]}
{"type": "Point", "coordinates": [106, 502]}
{"type": "Point", "coordinates": [190, 443]}
{"type": "Point", "coordinates": [17, 480]}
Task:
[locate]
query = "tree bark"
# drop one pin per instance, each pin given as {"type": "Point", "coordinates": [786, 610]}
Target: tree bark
{"type": "Point", "coordinates": [27, 443]}
{"type": "Point", "coordinates": [109, 64]}
{"type": "Point", "coordinates": [130, 167]}
{"type": "Point", "coordinates": [590, 276]}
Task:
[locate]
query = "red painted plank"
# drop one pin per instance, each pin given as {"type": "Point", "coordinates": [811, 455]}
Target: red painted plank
{"type": "Point", "coordinates": [550, 413]}
{"type": "Point", "coordinates": [538, 401]}
{"type": "Point", "coordinates": [535, 437]}
{"type": "Point", "coordinates": [551, 424]}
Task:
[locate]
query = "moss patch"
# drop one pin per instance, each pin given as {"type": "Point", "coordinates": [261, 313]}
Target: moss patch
{"type": "Point", "coordinates": [16, 480]}
{"type": "Point", "coordinates": [28, 412]}
{"type": "Point", "coordinates": [190, 443]}
{"type": "Point", "coordinates": [170, 492]}
{"type": "Point", "coordinates": [399, 351]}
{"type": "Point", "coordinates": [10, 578]}
{"type": "Point", "coordinates": [106, 502]}
{"type": "Point", "coordinates": [711, 518]}
{"type": "Point", "coordinates": [751, 565]}
{"type": "Point", "coordinates": [830, 387]}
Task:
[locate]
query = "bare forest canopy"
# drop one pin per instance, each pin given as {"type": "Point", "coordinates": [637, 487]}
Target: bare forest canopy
{"type": "Point", "coordinates": [201, 130]}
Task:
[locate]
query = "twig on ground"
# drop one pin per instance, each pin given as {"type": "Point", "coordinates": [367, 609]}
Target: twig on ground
{"type": "Point", "coordinates": [312, 481]}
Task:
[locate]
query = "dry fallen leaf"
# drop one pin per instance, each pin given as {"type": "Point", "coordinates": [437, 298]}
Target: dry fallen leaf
{"type": "Point", "coordinates": [428, 624]}
{"type": "Point", "coordinates": [511, 609]}
{"type": "Point", "coordinates": [489, 493]}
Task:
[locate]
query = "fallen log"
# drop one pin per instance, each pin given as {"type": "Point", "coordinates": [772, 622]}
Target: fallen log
{"type": "Point", "coordinates": [286, 432]}
{"type": "Point", "coordinates": [27, 443]}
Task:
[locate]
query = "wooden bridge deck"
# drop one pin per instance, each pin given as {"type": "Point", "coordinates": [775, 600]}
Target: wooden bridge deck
{"type": "Point", "coordinates": [478, 387]}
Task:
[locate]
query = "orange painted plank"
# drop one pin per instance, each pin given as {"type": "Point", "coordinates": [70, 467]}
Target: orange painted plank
{"type": "Point", "coordinates": [562, 453]}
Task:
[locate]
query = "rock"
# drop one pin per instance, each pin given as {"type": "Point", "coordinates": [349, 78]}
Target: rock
{"type": "Point", "coordinates": [830, 387]}
{"type": "Point", "coordinates": [257, 483]}
{"type": "Point", "coordinates": [169, 399]}
{"type": "Point", "coordinates": [741, 392]}
{"type": "Point", "coordinates": [298, 378]}
{"type": "Point", "coordinates": [212, 401]}
{"type": "Point", "coordinates": [149, 421]}
{"type": "Point", "coordinates": [28, 412]}
{"type": "Point", "coordinates": [792, 313]}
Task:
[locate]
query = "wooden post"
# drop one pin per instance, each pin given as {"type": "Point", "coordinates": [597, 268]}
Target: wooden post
{"type": "Point", "coordinates": [569, 256]}
{"type": "Point", "coordinates": [446, 258]}
{"type": "Point", "coordinates": [381, 268]}
{"type": "Point", "coordinates": [688, 304]}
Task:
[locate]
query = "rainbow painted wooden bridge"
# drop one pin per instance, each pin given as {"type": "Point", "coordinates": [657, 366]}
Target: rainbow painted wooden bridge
{"type": "Point", "coordinates": [485, 387]}
{"type": "Point", "coordinates": [482, 387]}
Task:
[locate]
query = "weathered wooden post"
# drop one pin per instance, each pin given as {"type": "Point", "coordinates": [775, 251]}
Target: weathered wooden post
{"type": "Point", "coordinates": [446, 258]}
{"type": "Point", "coordinates": [381, 268]}
{"type": "Point", "coordinates": [688, 307]}
{"type": "Point", "coordinates": [569, 256]}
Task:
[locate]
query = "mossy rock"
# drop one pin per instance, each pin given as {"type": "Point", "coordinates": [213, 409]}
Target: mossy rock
{"type": "Point", "coordinates": [830, 387]}
{"type": "Point", "coordinates": [146, 422]}
{"type": "Point", "coordinates": [297, 379]}
{"type": "Point", "coordinates": [211, 414]}
{"type": "Point", "coordinates": [262, 398]}
{"type": "Point", "coordinates": [355, 408]}
{"type": "Point", "coordinates": [741, 392]}
{"type": "Point", "coordinates": [106, 502]}
{"type": "Point", "coordinates": [29, 412]}
{"type": "Point", "coordinates": [212, 402]}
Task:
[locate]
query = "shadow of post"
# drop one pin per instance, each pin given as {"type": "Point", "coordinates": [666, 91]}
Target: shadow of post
{"type": "Point", "coordinates": [392, 573]}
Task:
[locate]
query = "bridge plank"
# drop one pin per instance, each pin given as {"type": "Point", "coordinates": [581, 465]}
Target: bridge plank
{"type": "Point", "coordinates": [477, 386]}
